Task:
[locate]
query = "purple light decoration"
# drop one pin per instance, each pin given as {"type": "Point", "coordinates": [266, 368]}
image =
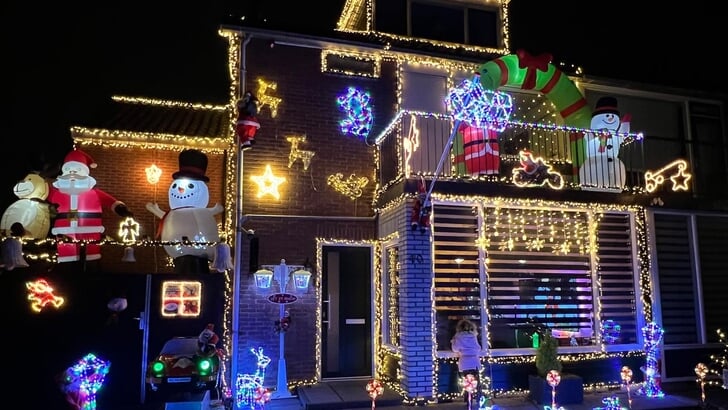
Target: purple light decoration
{"type": "Point", "coordinates": [84, 379]}
{"type": "Point", "coordinates": [471, 103]}
{"type": "Point", "coordinates": [356, 105]}
{"type": "Point", "coordinates": [652, 334]}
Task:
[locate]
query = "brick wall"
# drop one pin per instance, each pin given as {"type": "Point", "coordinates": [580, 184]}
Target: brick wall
{"type": "Point", "coordinates": [308, 207]}
{"type": "Point", "coordinates": [120, 172]}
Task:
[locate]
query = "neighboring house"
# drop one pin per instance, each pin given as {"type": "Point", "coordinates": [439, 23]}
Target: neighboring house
{"type": "Point", "coordinates": [629, 239]}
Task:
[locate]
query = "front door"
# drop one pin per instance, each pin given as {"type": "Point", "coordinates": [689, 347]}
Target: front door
{"type": "Point", "coordinates": [346, 312]}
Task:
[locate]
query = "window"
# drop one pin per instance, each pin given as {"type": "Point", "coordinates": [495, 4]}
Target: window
{"type": "Point", "coordinates": [541, 271]}
{"type": "Point", "coordinates": [424, 91]}
{"type": "Point", "coordinates": [440, 21]}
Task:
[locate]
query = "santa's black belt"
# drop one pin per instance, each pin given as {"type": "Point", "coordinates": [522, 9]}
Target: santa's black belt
{"type": "Point", "coordinates": [467, 144]}
{"type": "Point", "coordinates": [69, 215]}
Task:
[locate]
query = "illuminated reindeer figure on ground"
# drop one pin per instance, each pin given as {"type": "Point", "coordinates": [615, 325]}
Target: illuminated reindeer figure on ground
{"type": "Point", "coordinates": [249, 387]}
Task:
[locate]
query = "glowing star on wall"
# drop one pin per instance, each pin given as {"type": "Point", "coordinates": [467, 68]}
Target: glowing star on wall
{"type": "Point", "coordinates": [267, 100]}
{"type": "Point", "coordinates": [410, 144]}
{"type": "Point", "coordinates": [40, 294]}
{"type": "Point", "coordinates": [471, 103]}
{"type": "Point", "coordinates": [356, 105]}
{"type": "Point", "coordinates": [351, 187]}
{"type": "Point", "coordinates": [296, 154]}
{"type": "Point", "coordinates": [31, 209]}
{"type": "Point", "coordinates": [189, 218]}
{"type": "Point", "coordinates": [153, 174]}
{"type": "Point", "coordinates": [679, 179]}
{"type": "Point", "coordinates": [268, 183]}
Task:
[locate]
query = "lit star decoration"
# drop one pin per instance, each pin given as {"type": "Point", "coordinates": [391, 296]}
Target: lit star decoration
{"type": "Point", "coordinates": [351, 187]}
{"type": "Point", "coordinates": [153, 173]}
{"type": "Point", "coordinates": [84, 379]}
{"type": "Point", "coordinates": [129, 230]}
{"type": "Point", "coordinates": [652, 334]}
{"type": "Point", "coordinates": [481, 108]}
{"type": "Point", "coordinates": [268, 183]}
{"type": "Point", "coordinates": [40, 294]}
{"type": "Point", "coordinates": [356, 105]}
{"type": "Point", "coordinates": [249, 387]}
{"type": "Point", "coordinates": [267, 100]}
{"type": "Point", "coordinates": [679, 179]}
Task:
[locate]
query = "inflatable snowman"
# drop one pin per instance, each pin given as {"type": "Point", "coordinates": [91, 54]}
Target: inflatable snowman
{"type": "Point", "coordinates": [189, 225]}
{"type": "Point", "coordinates": [603, 170]}
{"type": "Point", "coordinates": [31, 210]}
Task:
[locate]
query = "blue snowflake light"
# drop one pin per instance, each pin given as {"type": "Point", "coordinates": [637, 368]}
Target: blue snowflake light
{"type": "Point", "coordinates": [356, 105]}
{"type": "Point", "coordinates": [471, 103]}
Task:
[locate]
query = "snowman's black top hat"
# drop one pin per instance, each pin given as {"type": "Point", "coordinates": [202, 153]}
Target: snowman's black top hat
{"type": "Point", "coordinates": [606, 105]}
{"type": "Point", "coordinates": [193, 165]}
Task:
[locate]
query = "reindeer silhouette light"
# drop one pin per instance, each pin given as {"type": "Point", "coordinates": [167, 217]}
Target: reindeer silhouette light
{"type": "Point", "coordinates": [296, 154]}
{"type": "Point", "coordinates": [249, 386]}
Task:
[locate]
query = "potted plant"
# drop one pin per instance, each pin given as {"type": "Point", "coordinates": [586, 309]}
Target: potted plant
{"type": "Point", "coordinates": [571, 388]}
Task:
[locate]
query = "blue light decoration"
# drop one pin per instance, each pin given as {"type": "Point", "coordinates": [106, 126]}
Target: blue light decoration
{"type": "Point", "coordinates": [611, 331]}
{"type": "Point", "coordinates": [471, 103]}
{"type": "Point", "coordinates": [652, 335]}
{"type": "Point", "coordinates": [356, 105]}
{"type": "Point", "coordinates": [249, 388]}
{"type": "Point", "coordinates": [610, 403]}
{"type": "Point", "coordinates": [82, 380]}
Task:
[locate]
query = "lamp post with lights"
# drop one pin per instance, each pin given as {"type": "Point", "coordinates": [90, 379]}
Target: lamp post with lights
{"type": "Point", "coordinates": [263, 280]}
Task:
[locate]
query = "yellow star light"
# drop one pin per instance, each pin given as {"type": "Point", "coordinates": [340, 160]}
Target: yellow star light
{"type": "Point", "coordinates": [680, 180]}
{"type": "Point", "coordinates": [268, 183]}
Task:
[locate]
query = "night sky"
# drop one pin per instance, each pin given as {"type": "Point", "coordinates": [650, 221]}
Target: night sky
{"type": "Point", "coordinates": [66, 58]}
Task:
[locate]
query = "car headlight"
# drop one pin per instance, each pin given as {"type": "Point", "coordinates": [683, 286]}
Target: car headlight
{"type": "Point", "coordinates": [204, 367]}
{"type": "Point", "coordinates": [158, 369]}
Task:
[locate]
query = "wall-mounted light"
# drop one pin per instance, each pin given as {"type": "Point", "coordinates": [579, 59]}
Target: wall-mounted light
{"type": "Point", "coordinates": [153, 173]}
{"type": "Point", "coordinates": [263, 278]}
{"type": "Point", "coordinates": [301, 278]}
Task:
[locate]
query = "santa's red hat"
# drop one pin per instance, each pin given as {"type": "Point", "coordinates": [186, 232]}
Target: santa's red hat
{"type": "Point", "coordinates": [78, 159]}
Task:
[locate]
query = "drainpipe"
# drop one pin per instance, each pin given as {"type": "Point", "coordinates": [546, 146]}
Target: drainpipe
{"type": "Point", "coordinates": [238, 235]}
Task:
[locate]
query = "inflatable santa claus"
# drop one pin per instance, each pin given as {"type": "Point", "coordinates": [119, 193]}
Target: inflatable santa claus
{"type": "Point", "coordinates": [80, 208]}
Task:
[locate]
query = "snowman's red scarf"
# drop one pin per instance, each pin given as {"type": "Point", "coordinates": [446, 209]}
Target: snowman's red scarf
{"type": "Point", "coordinates": [161, 220]}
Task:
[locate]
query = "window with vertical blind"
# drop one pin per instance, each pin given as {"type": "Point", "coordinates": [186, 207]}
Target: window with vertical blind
{"type": "Point", "coordinates": [541, 271]}
{"type": "Point", "coordinates": [691, 258]}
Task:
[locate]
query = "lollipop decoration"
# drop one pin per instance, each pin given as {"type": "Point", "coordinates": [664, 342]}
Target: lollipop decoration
{"type": "Point", "coordinates": [262, 396]}
{"type": "Point", "coordinates": [470, 385]}
{"type": "Point", "coordinates": [701, 370]}
{"type": "Point", "coordinates": [627, 378]}
{"type": "Point", "coordinates": [375, 389]}
{"type": "Point", "coordinates": [553, 378]}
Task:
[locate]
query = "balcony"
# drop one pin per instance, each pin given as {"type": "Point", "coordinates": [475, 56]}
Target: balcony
{"type": "Point", "coordinates": [523, 154]}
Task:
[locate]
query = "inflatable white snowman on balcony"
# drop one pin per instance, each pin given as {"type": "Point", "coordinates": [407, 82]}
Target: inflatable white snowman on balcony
{"type": "Point", "coordinates": [603, 170]}
{"type": "Point", "coordinates": [189, 226]}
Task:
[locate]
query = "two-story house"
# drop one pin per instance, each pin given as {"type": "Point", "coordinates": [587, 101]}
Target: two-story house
{"type": "Point", "coordinates": [541, 216]}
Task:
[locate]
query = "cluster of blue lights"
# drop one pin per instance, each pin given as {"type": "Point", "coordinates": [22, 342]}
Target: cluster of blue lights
{"type": "Point", "coordinates": [471, 103]}
{"type": "Point", "coordinates": [359, 117]}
